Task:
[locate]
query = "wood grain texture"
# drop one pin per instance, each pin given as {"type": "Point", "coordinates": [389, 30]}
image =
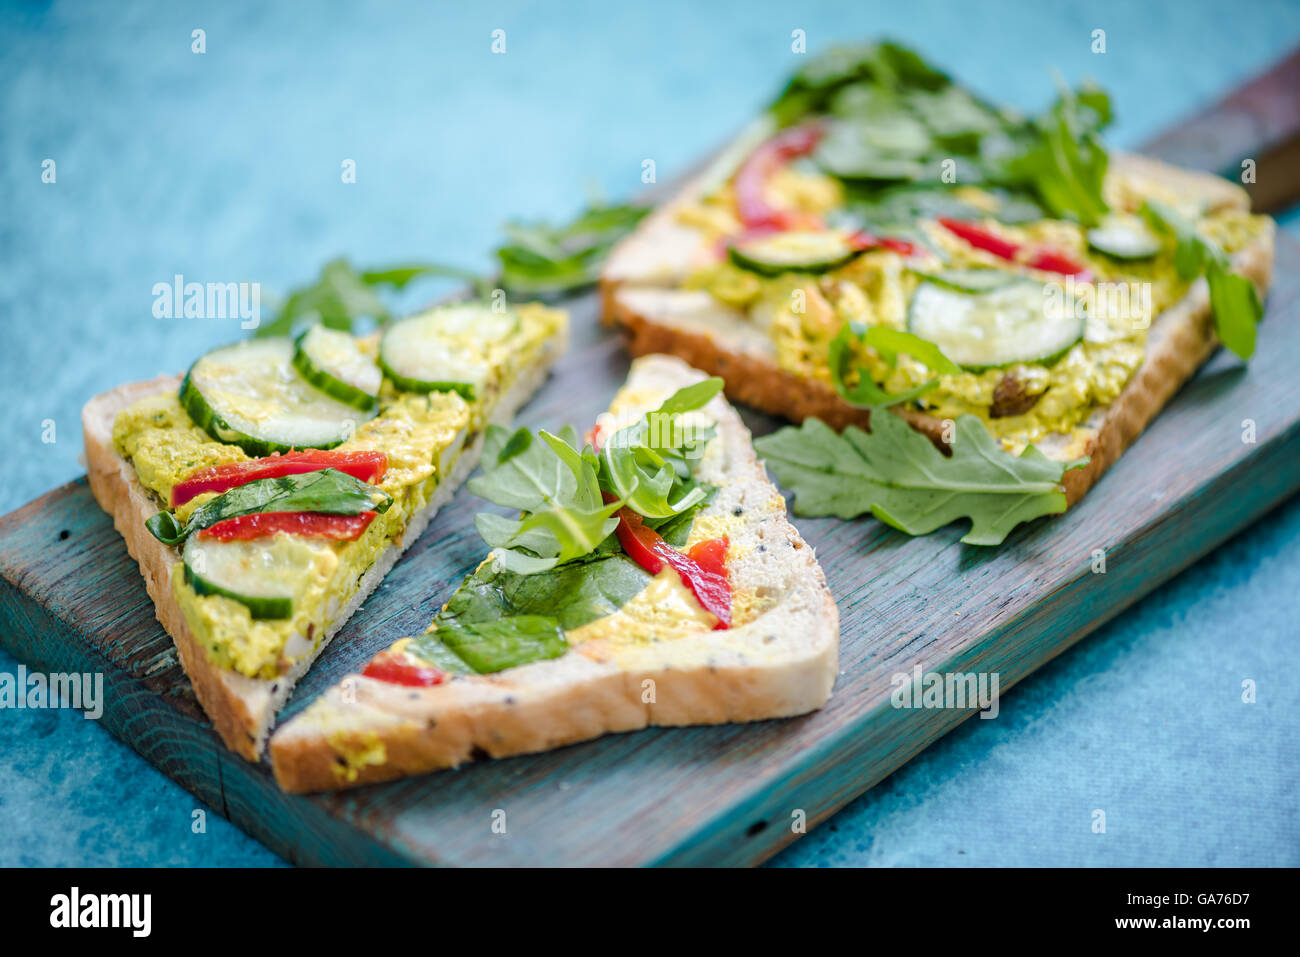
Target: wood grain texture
{"type": "Point", "coordinates": [718, 795]}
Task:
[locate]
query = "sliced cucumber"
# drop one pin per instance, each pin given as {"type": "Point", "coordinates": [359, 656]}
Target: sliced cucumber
{"type": "Point", "coordinates": [250, 395]}
{"type": "Point", "coordinates": [1124, 238]}
{"type": "Point", "coordinates": [333, 362]}
{"type": "Point", "coordinates": [795, 251]}
{"type": "Point", "coordinates": [446, 350]}
{"type": "Point", "coordinates": [1006, 325]}
{"type": "Point", "coordinates": [970, 280]}
{"type": "Point", "coordinates": [260, 574]}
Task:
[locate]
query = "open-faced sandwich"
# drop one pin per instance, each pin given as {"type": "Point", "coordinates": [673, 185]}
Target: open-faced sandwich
{"type": "Point", "coordinates": [882, 238]}
{"type": "Point", "coordinates": [267, 492]}
{"type": "Point", "coordinates": [648, 576]}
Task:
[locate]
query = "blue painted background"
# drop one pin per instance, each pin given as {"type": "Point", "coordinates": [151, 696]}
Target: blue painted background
{"type": "Point", "coordinates": [225, 167]}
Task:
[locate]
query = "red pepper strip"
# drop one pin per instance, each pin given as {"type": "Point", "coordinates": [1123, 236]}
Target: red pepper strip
{"type": "Point", "coordinates": [397, 668]}
{"type": "Point", "coordinates": [864, 240]}
{"type": "Point", "coordinates": [711, 555]}
{"type": "Point", "coordinates": [709, 584]}
{"type": "Point", "coordinates": [1049, 260]}
{"type": "Point", "coordinates": [752, 178]}
{"type": "Point", "coordinates": [900, 246]}
{"type": "Point", "coordinates": [366, 466]}
{"type": "Point", "coordinates": [241, 528]}
{"type": "Point", "coordinates": [1046, 259]}
{"type": "Point", "coordinates": [981, 238]}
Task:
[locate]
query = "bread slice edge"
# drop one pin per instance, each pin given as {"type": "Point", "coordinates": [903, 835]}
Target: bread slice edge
{"type": "Point", "coordinates": [363, 730]}
{"type": "Point", "coordinates": [243, 709]}
{"type": "Point", "coordinates": [658, 318]}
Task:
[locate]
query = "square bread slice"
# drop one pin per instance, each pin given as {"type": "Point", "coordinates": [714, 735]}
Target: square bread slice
{"type": "Point", "coordinates": [641, 292]}
{"type": "Point", "coordinates": [243, 709]}
{"type": "Point", "coordinates": [781, 661]}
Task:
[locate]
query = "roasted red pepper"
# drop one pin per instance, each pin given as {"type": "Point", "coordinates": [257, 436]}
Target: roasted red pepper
{"type": "Point", "coordinates": [1045, 259]}
{"type": "Point", "coordinates": [365, 466]}
{"type": "Point", "coordinates": [1049, 260]}
{"type": "Point", "coordinates": [344, 528]}
{"type": "Point", "coordinates": [703, 571]}
{"type": "Point", "coordinates": [397, 668]}
{"type": "Point", "coordinates": [754, 174]}
{"type": "Point", "coordinates": [711, 555]}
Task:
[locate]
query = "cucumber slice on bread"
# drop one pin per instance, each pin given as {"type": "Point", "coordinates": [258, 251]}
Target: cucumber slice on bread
{"type": "Point", "coordinates": [447, 349]}
{"type": "Point", "coordinates": [970, 280]}
{"type": "Point", "coordinates": [258, 573]}
{"type": "Point", "coordinates": [794, 251]}
{"type": "Point", "coordinates": [999, 327]}
{"type": "Point", "coordinates": [250, 395]}
{"type": "Point", "coordinates": [333, 362]}
{"type": "Point", "coordinates": [1127, 238]}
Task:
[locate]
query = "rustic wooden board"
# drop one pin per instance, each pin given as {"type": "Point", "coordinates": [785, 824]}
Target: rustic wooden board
{"type": "Point", "coordinates": [72, 600]}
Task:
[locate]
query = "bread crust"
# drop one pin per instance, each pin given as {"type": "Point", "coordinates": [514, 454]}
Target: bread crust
{"type": "Point", "coordinates": [242, 709]}
{"type": "Point", "coordinates": [660, 319]}
{"type": "Point", "coordinates": [781, 663]}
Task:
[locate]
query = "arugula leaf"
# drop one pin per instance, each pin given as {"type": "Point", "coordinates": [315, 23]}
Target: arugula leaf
{"type": "Point", "coordinates": [538, 259]}
{"type": "Point", "coordinates": [342, 294]}
{"type": "Point", "coordinates": [887, 65]}
{"type": "Point", "coordinates": [560, 487]}
{"type": "Point", "coordinates": [659, 435]}
{"type": "Point", "coordinates": [545, 260]}
{"type": "Point", "coordinates": [1236, 307]}
{"type": "Point", "coordinates": [648, 464]}
{"type": "Point", "coordinates": [1234, 301]}
{"type": "Point", "coordinates": [558, 491]}
{"type": "Point", "coordinates": [328, 490]}
{"type": "Point", "coordinates": [1062, 158]}
{"type": "Point", "coordinates": [889, 343]}
{"type": "Point", "coordinates": [896, 474]}
{"type": "Point", "coordinates": [646, 482]}
{"type": "Point", "coordinates": [689, 398]}
{"type": "Point", "coordinates": [1190, 251]}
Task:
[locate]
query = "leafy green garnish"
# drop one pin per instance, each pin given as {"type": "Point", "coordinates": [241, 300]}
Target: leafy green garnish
{"type": "Point", "coordinates": [560, 486]}
{"type": "Point", "coordinates": [555, 487]}
{"type": "Point", "coordinates": [537, 260]}
{"type": "Point", "coordinates": [545, 260]}
{"type": "Point", "coordinates": [500, 619]}
{"type": "Point", "coordinates": [1062, 157]}
{"type": "Point", "coordinates": [1234, 301]}
{"type": "Point", "coordinates": [896, 474]}
{"type": "Point", "coordinates": [328, 490]}
{"type": "Point", "coordinates": [492, 645]}
{"type": "Point", "coordinates": [342, 294]}
{"type": "Point", "coordinates": [886, 65]}
{"type": "Point", "coordinates": [889, 343]}
{"type": "Point", "coordinates": [894, 118]}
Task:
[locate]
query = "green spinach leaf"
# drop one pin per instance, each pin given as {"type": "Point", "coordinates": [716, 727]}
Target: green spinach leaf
{"type": "Point", "coordinates": [1234, 301]}
{"type": "Point", "coordinates": [328, 490]}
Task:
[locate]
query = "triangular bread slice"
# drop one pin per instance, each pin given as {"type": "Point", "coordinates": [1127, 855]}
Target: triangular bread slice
{"type": "Point", "coordinates": [780, 661]}
{"type": "Point", "coordinates": [640, 292]}
{"type": "Point", "coordinates": [243, 709]}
